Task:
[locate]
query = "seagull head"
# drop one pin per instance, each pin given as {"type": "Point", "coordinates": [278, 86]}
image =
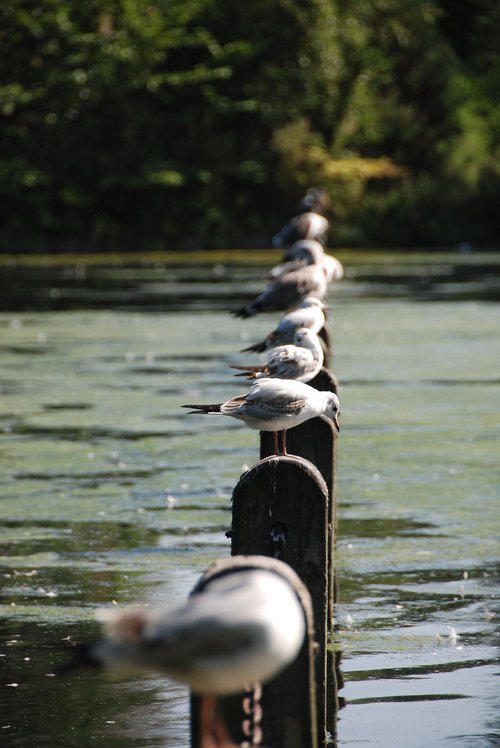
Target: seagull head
{"type": "Point", "coordinates": [332, 409]}
{"type": "Point", "coordinates": [305, 337]}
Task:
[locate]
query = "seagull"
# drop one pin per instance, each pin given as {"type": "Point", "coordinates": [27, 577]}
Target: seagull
{"type": "Point", "coordinates": [310, 313]}
{"type": "Point", "coordinates": [333, 268]}
{"type": "Point", "coordinates": [306, 225]}
{"type": "Point", "coordinates": [300, 361]}
{"type": "Point", "coordinates": [295, 254]}
{"type": "Point", "coordinates": [290, 288]}
{"type": "Point", "coordinates": [299, 254]}
{"type": "Point", "coordinates": [316, 200]}
{"type": "Point", "coordinates": [277, 405]}
{"type": "Point", "coordinates": [241, 627]}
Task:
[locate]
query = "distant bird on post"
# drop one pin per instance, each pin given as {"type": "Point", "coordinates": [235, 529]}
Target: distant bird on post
{"type": "Point", "coordinates": [290, 287]}
{"type": "Point", "coordinates": [300, 361]}
{"type": "Point", "coordinates": [276, 405]}
{"type": "Point", "coordinates": [316, 199]}
{"type": "Point", "coordinates": [296, 255]}
{"type": "Point", "coordinates": [310, 313]}
{"type": "Point", "coordinates": [306, 225]}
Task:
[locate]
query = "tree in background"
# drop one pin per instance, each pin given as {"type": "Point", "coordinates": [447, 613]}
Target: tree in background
{"type": "Point", "coordinates": [185, 123]}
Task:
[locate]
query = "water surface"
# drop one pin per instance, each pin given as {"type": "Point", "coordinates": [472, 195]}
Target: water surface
{"type": "Point", "coordinates": [112, 494]}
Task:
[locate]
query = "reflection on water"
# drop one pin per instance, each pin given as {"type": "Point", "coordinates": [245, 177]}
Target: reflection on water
{"type": "Point", "coordinates": [113, 495]}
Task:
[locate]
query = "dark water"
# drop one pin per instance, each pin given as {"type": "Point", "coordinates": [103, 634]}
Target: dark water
{"type": "Point", "coordinates": [112, 495]}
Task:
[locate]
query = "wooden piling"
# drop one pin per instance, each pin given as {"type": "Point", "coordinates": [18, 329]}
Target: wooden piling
{"type": "Point", "coordinates": [325, 337]}
{"type": "Point", "coordinates": [288, 702]}
{"type": "Point", "coordinates": [280, 509]}
{"type": "Point", "coordinates": [284, 508]}
{"type": "Point", "coordinates": [316, 441]}
{"type": "Point", "coordinates": [325, 380]}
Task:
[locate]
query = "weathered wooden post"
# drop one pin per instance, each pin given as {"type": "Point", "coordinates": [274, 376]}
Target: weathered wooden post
{"type": "Point", "coordinates": [284, 508]}
{"type": "Point", "coordinates": [286, 706]}
{"type": "Point", "coordinates": [280, 509]}
{"type": "Point", "coordinates": [316, 441]}
{"type": "Point", "coordinates": [325, 337]}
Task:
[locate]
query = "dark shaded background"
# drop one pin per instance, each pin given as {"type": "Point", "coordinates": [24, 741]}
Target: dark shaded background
{"type": "Point", "coordinates": [200, 123]}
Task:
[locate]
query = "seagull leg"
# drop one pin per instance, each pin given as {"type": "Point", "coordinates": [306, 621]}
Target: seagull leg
{"type": "Point", "coordinates": [213, 731]}
{"type": "Point", "coordinates": [207, 719]}
{"type": "Point", "coordinates": [283, 436]}
{"type": "Point", "coordinates": [276, 443]}
{"type": "Point", "coordinates": [221, 735]}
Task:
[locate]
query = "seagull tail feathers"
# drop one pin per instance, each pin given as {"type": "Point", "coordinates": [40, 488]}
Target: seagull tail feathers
{"type": "Point", "coordinates": [243, 367]}
{"type": "Point", "coordinates": [197, 409]}
{"type": "Point", "coordinates": [255, 348]}
{"type": "Point", "coordinates": [244, 312]}
{"type": "Point", "coordinates": [250, 372]}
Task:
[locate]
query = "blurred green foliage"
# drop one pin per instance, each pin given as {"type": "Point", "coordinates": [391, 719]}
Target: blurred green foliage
{"type": "Point", "coordinates": [187, 123]}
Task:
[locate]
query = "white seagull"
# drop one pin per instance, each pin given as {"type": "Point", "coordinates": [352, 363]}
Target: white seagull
{"type": "Point", "coordinates": [334, 268]}
{"type": "Point", "coordinates": [299, 254]}
{"type": "Point", "coordinates": [296, 255]}
{"type": "Point", "coordinates": [276, 405]}
{"type": "Point", "coordinates": [241, 627]}
{"type": "Point", "coordinates": [316, 200]}
{"type": "Point", "coordinates": [292, 286]}
{"type": "Point", "coordinates": [300, 361]}
{"type": "Point", "coordinates": [310, 313]}
{"type": "Point", "coordinates": [306, 225]}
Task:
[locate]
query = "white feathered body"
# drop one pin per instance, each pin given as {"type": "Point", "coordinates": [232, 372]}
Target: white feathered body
{"type": "Point", "coordinates": [306, 225]}
{"type": "Point", "coordinates": [301, 360]}
{"type": "Point", "coordinates": [310, 314]}
{"type": "Point", "coordinates": [297, 253]}
{"type": "Point", "coordinates": [278, 404]}
{"type": "Point", "coordinates": [291, 287]}
{"type": "Point", "coordinates": [242, 627]}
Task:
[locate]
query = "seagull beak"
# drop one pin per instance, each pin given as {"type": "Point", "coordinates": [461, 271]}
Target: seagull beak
{"type": "Point", "coordinates": [336, 422]}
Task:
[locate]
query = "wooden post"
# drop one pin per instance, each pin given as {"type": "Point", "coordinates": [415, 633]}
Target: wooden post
{"type": "Point", "coordinates": [316, 441]}
{"type": "Point", "coordinates": [280, 509]}
{"type": "Point", "coordinates": [325, 337]}
{"type": "Point", "coordinates": [289, 701]}
{"type": "Point", "coordinates": [325, 380]}
{"type": "Point", "coordinates": [284, 508]}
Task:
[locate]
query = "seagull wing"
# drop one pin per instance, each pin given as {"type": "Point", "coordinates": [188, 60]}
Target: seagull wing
{"type": "Point", "coordinates": [290, 362]}
{"type": "Point", "coordinates": [274, 408]}
{"type": "Point", "coordinates": [285, 267]}
{"type": "Point", "coordinates": [235, 405]}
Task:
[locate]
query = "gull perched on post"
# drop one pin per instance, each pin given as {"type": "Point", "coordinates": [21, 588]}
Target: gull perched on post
{"type": "Point", "coordinates": [302, 253]}
{"type": "Point", "coordinates": [289, 288]}
{"type": "Point", "coordinates": [276, 405]}
{"type": "Point", "coordinates": [310, 313]}
{"type": "Point", "coordinates": [241, 627]}
{"type": "Point", "coordinates": [316, 200]}
{"type": "Point", "coordinates": [307, 225]}
{"type": "Point", "coordinates": [300, 361]}
{"type": "Point", "coordinates": [295, 254]}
